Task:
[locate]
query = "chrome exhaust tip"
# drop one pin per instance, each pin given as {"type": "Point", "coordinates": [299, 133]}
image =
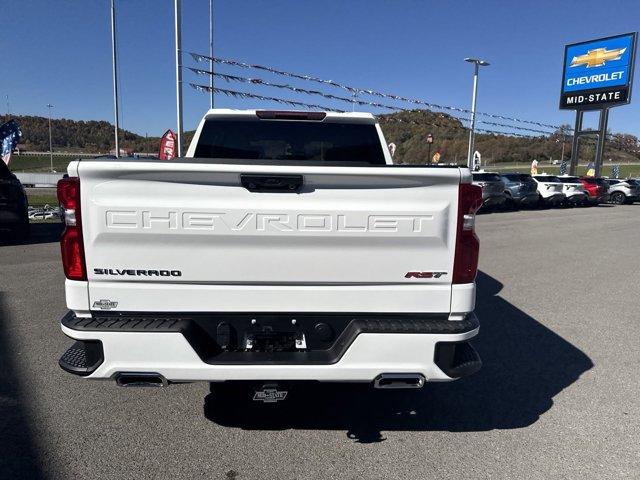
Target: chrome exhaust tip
{"type": "Point", "coordinates": [399, 380]}
{"type": "Point", "coordinates": [141, 380]}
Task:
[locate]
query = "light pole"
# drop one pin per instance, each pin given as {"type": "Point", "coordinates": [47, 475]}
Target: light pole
{"type": "Point", "coordinates": [49, 106]}
{"type": "Point", "coordinates": [429, 142]}
{"type": "Point", "coordinates": [477, 64]}
{"type": "Point", "coordinates": [178, 39]}
{"type": "Point", "coordinates": [211, 101]}
{"type": "Point", "coordinates": [115, 73]}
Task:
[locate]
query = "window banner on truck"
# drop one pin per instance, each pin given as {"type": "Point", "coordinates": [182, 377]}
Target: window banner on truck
{"type": "Point", "coordinates": [598, 73]}
{"type": "Point", "coordinates": [167, 146]}
{"type": "Point", "coordinates": [10, 135]}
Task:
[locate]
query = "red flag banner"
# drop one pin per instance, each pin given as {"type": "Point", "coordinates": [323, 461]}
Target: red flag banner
{"type": "Point", "coordinates": [167, 146]}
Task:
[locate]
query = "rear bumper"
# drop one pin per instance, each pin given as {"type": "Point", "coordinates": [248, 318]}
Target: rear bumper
{"type": "Point", "coordinates": [577, 197]}
{"type": "Point", "coordinates": [493, 199]}
{"type": "Point", "coordinates": [555, 199]}
{"type": "Point", "coordinates": [526, 199]}
{"type": "Point", "coordinates": [375, 347]}
{"type": "Point", "coordinates": [598, 199]}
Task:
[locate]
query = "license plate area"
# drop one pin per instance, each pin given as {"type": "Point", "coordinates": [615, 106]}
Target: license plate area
{"type": "Point", "coordinates": [269, 340]}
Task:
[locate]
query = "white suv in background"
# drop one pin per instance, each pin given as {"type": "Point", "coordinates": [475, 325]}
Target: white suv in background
{"type": "Point", "coordinates": [549, 189]}
{"type": "Point", "coordinates": [623, 190]}
{"type": "Point", "coordinates": [573, 189]}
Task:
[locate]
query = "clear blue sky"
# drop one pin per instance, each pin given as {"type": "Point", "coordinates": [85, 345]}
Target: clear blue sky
{"type": "Point", "coordinates": [59, 52]}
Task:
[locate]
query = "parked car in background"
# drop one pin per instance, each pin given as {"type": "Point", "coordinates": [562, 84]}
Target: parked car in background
{"type": "Point", "coordinates": [596, 188]}
{"type": "Point", "coordinates": [492, 188]}
{"type": "Point", "coordinates": [14, 222]}
{"type": "Point", "coordinates": [549, 189]}
{"type": "Point", "coordinates": [623, 190]}
{"type": "Point", "coordinates": [45, 213]}
{"type": "Point", "coordinates": [573, 190]}
{"type": "Point", "coordinates": [520, 190]}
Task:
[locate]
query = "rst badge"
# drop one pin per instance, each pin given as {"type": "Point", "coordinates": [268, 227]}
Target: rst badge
{"type": "Point", "coordinates": [424, 274]}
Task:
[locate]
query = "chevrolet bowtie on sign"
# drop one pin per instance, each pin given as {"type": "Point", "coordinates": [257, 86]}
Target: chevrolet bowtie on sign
{"type": "Point", "coordinates": [598, 73]}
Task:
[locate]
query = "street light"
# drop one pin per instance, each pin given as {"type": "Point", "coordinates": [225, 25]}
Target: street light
{"type": "Point", "coordinates": [49, 106]}
{"type": "Point", "coordinates": [114, 59]}
{"type": "Point", "coordinates": [477, 64]}
{"type": "Point", "coordinates": [429, 142]}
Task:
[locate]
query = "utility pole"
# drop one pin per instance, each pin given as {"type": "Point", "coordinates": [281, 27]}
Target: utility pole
{"type": "Point", "coordinates": [178, 75]}
{"type": "Point", "coordinates": [49, 106]}
{"type": "Point", "coordinates": [115, 74]}
{"type": "Point", "coordinates": [211, 100]}
{"type": "Point", "coordinates": [477, 64]}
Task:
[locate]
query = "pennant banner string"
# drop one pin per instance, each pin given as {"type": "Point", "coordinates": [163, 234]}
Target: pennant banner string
{"type": "Point", "coordinates": [383, 118]}
{"type": "Point", "coordinates": [204, 58]}
{"type": "Point", "coordinates": [237, 94]}
{"type": "Point", "coordinates": [352, 100]}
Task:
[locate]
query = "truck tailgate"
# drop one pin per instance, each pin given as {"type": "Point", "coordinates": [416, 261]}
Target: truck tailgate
{"type": "Point", "coordinates": [173, 236]}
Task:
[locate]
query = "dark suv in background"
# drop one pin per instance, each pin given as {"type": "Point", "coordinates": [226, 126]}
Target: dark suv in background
{"type": "Point", "coordinates": [520, 190]}
{"type": "Point", "coordinates": [14, 219]}
{"type": "Point", "coordinates": [492, 188]}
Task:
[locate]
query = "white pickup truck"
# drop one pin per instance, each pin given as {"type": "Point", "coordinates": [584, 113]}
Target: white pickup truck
{"type": "Point", "coordinates": [285, 246]}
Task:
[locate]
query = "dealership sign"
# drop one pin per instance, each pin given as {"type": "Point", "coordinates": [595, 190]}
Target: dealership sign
{"type": "Point", "coordinates": [598, 74]}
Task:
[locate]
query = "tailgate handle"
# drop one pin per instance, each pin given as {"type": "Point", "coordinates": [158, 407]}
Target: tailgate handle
{"type": "Point", "coordinates": [271, 183]}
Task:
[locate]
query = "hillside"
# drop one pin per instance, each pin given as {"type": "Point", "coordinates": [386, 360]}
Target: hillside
{"type": "Point", "coordinates": [78, 135]}
{"type": "Point", "coordinates": [409, 130]}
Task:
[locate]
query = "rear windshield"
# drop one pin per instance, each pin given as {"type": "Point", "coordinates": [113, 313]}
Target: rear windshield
{"type": "Point", "coordinates": [517, 177]}
{"type": "Point", "coordinates": [547, 179]}
{"type": "Point", "coordinates": [569, 179]}
{"type": "Point", "coordinates": [486, 177]}
{"type": "Point", "coordinates": [290, 140]}
{"type": "Point", "coordinates": [632, 182]}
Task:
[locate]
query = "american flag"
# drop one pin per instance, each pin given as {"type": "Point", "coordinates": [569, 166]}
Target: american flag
{"type": "Point", "coordinates": [10, 135]}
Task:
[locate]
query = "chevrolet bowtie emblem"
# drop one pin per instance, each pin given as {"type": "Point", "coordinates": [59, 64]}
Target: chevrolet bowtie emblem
{"type": "Point", "coordinates": [597, 57]}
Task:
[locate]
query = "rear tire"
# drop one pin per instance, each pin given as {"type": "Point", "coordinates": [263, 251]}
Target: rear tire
{"type": "Point", "coordinates": [618, 198]}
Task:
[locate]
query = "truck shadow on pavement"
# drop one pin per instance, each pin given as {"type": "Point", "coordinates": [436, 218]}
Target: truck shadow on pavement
{"type": "Point", "coordinates": [524, 366]}
{"type": "Point", "coordinates": [19, 456]}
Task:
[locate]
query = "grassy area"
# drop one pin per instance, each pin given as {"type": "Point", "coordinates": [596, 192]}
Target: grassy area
{"type": "Point", "coordinates": [42, 163]}
{"type": "Point", "coordinates": [632, 170]}
{"type": "Point", "coordinates": [41, 199]}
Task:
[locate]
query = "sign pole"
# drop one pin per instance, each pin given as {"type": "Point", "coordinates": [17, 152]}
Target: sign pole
{"type": "Point", "coordinates": [602, 136]}
{"type": "Point", "coordinates": [573, 168]}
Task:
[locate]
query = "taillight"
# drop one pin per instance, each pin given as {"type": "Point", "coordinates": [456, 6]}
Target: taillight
{"type": "Point", "coordinates": [465, 264]}
{"type": "Point", "coordinates": [71, 244]}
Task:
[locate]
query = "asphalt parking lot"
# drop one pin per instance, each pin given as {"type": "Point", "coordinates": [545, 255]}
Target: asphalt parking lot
{"type": "Point", "coordinates": [558, 395]}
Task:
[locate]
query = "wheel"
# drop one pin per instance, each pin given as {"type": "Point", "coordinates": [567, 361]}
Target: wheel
{"type": "Point", "coordinates": [510, 204]}
{"type": "Point", "coordinates": [541, 202]}
{"type": "Point", "coordinates": [618, 198]}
